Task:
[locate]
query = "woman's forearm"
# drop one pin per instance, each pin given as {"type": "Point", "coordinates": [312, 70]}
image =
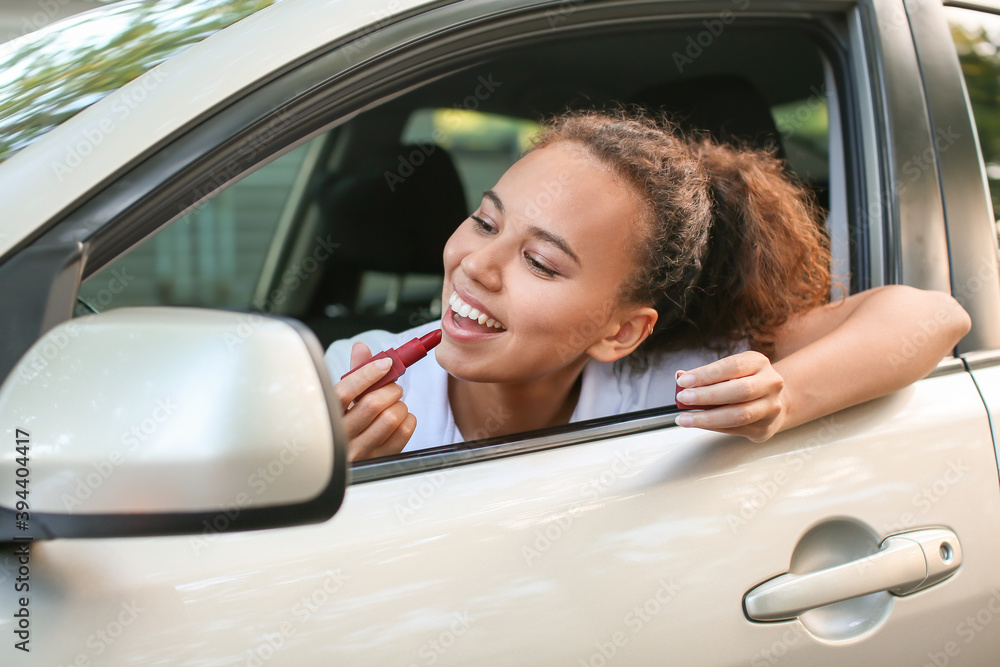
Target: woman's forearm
{"type": "Point", "coordinates": [869, 345]}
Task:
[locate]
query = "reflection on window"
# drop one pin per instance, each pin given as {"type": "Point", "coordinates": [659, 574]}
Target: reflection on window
{"type": "Point", "coordinates": [50, 75]}
{"type": "Point", "coordinates": [977, 37]}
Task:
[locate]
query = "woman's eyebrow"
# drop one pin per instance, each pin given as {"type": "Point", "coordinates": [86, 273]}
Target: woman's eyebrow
{"type": "Point", "coordinates": [557, 241]}
{"type": "Point", "coordinates": [492, 196]}
{"type": "Point", "coordinates": [537, 232]}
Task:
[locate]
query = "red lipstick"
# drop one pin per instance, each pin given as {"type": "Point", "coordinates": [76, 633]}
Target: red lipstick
{"type": "Point", "coordinates": [402, 357]}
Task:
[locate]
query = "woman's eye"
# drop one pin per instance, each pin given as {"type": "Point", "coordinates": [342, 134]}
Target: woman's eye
{"type": "Point", "coordinates": [483, 226]}
{"type": "Point", "coordinates": [538, 267]}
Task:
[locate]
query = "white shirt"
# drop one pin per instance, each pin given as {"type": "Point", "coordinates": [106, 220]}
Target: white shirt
{"type": "Point", "coordinates": [606, 389]}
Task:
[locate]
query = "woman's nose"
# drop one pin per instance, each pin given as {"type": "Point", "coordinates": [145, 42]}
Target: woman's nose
{"type": "Point", "coordinates": [484, 266]}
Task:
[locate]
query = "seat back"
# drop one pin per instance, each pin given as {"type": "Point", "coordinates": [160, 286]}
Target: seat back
{"type": "Point", "coordinates": [392, 215]}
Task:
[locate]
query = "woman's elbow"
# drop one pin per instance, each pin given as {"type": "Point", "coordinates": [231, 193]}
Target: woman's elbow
{"type": "Point", "coordinates": [959, 322]}
{"type": "Point", "coordinates": [946, 313]}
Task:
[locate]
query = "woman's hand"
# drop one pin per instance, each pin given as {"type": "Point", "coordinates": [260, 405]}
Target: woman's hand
{"type": "Point", "coordinates": [739, 395]}
{"type": "Point", "coordinates": [378, 423]}
{"type": "Point", "coordinates": [825, 360]}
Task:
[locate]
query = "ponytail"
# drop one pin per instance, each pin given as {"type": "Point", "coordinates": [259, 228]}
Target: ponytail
{"type": "Point", "coordinates": [767, 257]}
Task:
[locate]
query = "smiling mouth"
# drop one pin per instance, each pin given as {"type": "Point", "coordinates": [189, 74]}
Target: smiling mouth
{"type": "Point", "coordinates": [462, 310]}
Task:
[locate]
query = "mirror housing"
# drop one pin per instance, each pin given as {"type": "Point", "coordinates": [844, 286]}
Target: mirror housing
{"type": "Point", "coordinates": [165, 421]}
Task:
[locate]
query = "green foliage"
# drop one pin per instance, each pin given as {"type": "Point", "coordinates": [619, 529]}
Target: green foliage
{"type": "Point", "coordinates": [49, 76]}
{"type": "Point", "coordinates": [978, 54]}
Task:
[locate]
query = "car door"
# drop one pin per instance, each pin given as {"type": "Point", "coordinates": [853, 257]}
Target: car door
{"type": "Point", "coordinates": [624, 539]}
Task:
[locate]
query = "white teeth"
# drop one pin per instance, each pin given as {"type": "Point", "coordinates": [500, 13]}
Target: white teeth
{"type": "Point", "coordinates": [463, 309]}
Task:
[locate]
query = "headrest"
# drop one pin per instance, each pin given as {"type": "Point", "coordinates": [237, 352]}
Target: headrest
{"type": "Point", "coordinates": [729, 107]}
{"type": "Point", "coordinates": [395, 213]}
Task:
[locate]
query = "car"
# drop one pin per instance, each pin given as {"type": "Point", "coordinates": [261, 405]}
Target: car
{"type": "Point", "coordinates": [218, 192]}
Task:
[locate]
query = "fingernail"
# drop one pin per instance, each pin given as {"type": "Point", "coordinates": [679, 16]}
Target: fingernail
{"type": "Point", "coordinates": [383, 364]}
{"type": "Point", "coordinates": [685, 420]}
{"type": "Point", "coordinates": [686, 380]}
{"type": "Point", "coordinates": [688, 396]}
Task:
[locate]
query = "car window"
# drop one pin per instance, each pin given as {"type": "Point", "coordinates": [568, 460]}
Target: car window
{"type": "Point", "coordinates": [977, 40]}
{"type": "Point", "coordinates": [346, 232]}
{"type": "Point", "coordinates": [213, 256]}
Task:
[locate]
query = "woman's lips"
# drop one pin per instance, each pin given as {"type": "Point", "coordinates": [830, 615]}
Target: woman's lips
{"type": "Point", "coordinates": [464, 328]}
{"type": "Point", "coordinates": [466, 314]}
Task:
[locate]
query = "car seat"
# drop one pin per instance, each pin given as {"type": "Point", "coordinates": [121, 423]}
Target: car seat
{"type": "Point", "coordinates": [391, 215]}
{"type": "Point", "coordinates": [729, 107]}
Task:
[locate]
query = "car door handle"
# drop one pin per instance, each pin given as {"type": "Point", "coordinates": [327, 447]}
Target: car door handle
{"type": "Point", "coordinates": [904, 564]}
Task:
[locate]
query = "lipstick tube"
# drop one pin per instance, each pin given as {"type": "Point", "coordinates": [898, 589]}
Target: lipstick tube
{"type": "Point", "coordinates": [402, 358]}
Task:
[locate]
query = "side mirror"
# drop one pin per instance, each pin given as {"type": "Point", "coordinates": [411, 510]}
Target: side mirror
{"type": "Point", "coordinates": [160, 421]}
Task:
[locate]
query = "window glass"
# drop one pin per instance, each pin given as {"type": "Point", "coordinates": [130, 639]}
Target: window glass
{"type": "Point", "coordinates": [804, 126]}
{"type": "Point", "coordinates": [212, 256]}
{"type": "Point", "coordinates": [482, 145]}
{"type": "Point", "coordinates": [977, 38]}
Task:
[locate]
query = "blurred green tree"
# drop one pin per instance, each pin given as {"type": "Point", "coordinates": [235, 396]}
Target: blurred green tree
{"type": "Point", "coordinates": [980, 60]}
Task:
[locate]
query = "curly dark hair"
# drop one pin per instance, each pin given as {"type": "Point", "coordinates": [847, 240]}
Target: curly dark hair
{"type": "Point", "coordinates": [730, 245]}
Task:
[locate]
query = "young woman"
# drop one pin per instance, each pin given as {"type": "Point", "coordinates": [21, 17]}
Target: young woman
{"type": "Point", "coordinates": [615, 253]}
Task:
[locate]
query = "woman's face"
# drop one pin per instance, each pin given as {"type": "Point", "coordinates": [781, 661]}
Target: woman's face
{"type": "Point", "coordinates": [544, 256]}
